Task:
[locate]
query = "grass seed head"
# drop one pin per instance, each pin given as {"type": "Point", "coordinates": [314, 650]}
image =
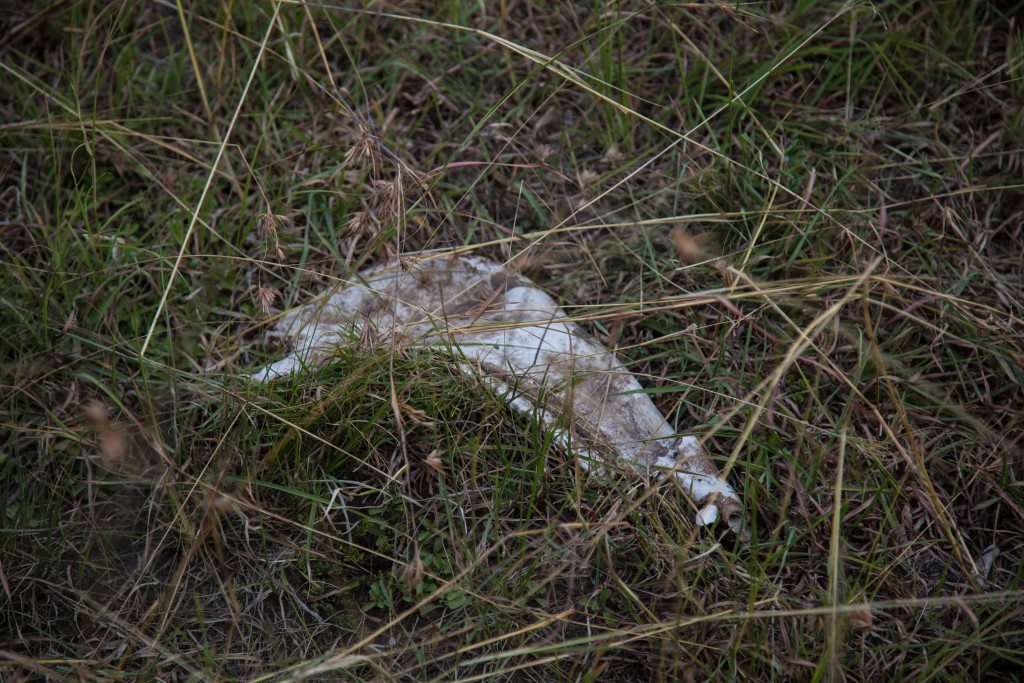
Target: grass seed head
{"type": "Point", "coordinates": [267, 225]}
{"type": "Point", "coordinates": [613, 156]}
{"type": "Point", "coordinates": [97, 415]}
{"type": "Point", "coordinates": [689, 249]}
{"type": "Point", "coordinates": [361, 224]}
{"type": "Point", "coordinates": [412, 573]}
{"type": "Point", "coordinates": [587, 178]}
{"type": "Point", "coordinates": [366, 146]}
{"type": "Point", "coordinates": [112, 441]}
{"type": "Point", "coordinates": [264, 298]}
{"type": "Point", "coordinates": [434, 461]}
{"type": "Point", "coordinates": [385, 199]}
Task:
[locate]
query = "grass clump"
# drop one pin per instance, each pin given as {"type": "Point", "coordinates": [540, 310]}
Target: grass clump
{"type": "Point", "coordinates": [798, 223]}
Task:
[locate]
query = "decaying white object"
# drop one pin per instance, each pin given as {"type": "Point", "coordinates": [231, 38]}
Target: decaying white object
{"type": "Point", "coordinates": [516, 339]}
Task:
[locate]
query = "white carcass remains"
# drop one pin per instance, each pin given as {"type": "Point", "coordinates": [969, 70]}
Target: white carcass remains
{"type": "Point", "coordinates": [514, 337]}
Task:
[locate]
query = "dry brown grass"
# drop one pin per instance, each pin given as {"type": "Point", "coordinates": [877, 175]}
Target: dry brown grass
{"type": "Point", "coordinates": [799, 223]}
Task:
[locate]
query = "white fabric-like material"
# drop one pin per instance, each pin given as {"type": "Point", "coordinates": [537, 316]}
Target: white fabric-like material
{"type": "Point", "coordinates": [517, 340]}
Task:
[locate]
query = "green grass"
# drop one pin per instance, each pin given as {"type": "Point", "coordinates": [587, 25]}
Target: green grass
{"type": "Point", "coordinates": [849, 339]}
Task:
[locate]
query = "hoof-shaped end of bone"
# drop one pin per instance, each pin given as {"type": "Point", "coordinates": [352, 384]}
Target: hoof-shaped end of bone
{"type": "Point", "coordinates": [733, 514]}
{"type": "Point", "coordinates": [707, 515]}
{"type": "Point", "coordinates": [729, 511]}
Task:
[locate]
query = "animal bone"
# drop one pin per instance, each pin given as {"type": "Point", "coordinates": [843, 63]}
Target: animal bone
{"type": "Point", "coordinates": [517, 340]}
